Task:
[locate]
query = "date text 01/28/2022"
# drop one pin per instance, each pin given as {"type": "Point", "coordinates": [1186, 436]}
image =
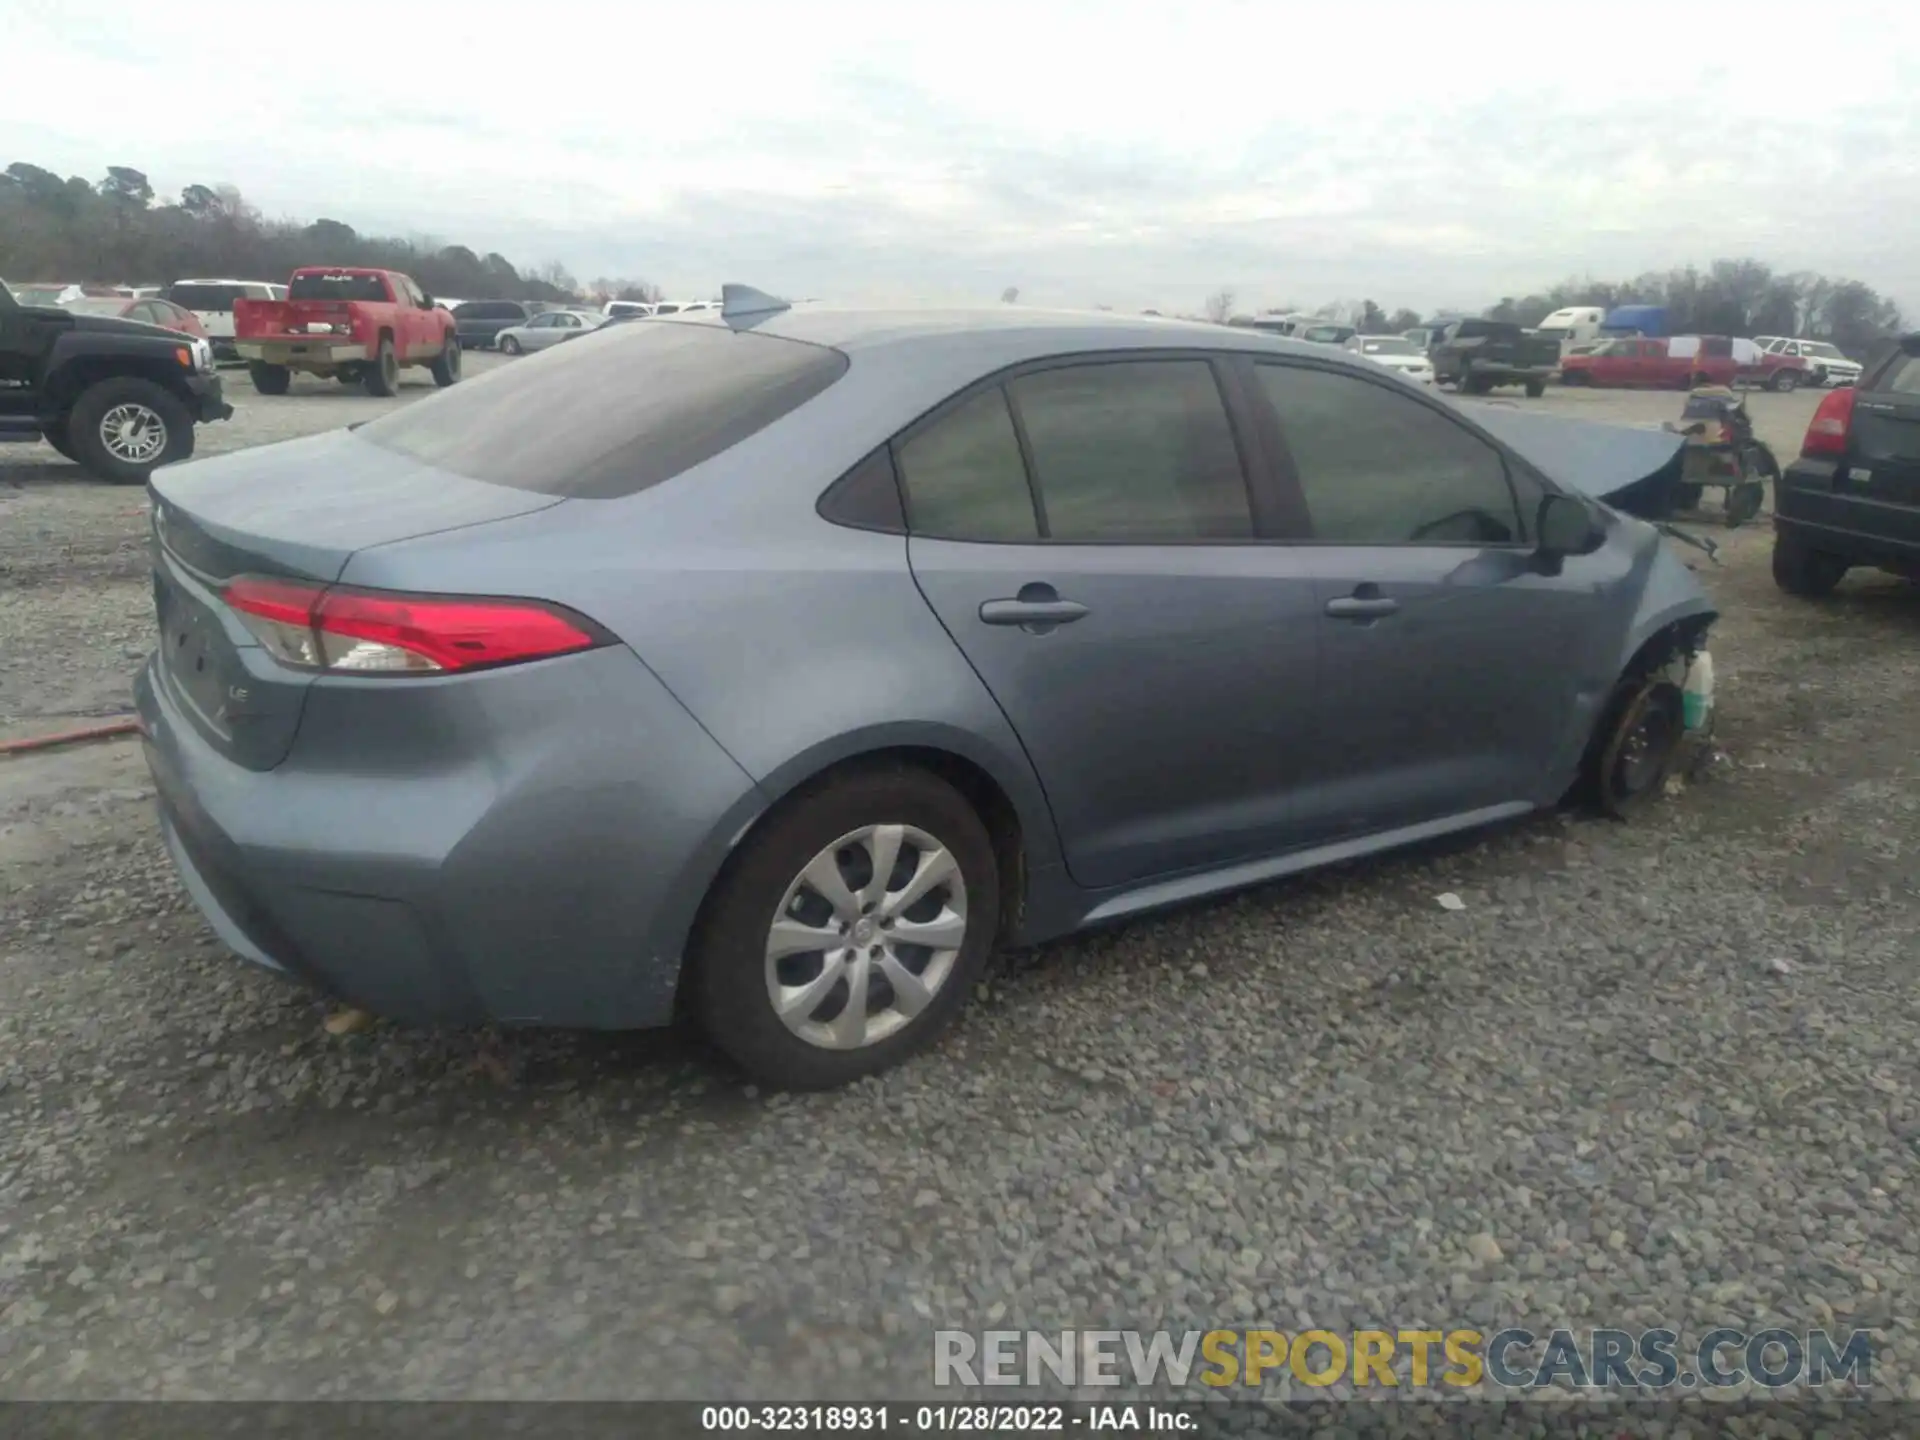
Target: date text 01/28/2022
{"type": "Point", "coordinates": [948, 1419]}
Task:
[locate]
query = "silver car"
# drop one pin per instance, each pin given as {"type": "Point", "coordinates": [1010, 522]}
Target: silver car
{"type": "Point", "coordinates": [548, 328]}
{"type": "Point", "coordinates": [774, 666]}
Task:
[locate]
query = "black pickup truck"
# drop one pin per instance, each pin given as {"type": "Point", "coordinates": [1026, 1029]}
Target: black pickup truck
{"type": "Point", "coordinates": [1477, 355]}
{"type": "Point", "coordinates": [117, 397]}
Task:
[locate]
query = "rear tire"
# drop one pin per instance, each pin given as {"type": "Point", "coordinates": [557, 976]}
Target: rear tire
{"type": "Point", "coordinates": [836, 830]}
{"type": "Point", "coordinates": [383, 375]}
{"type": "Point", "coordinates": [1801, 570]}
{"type": "Point", "coordinates": [1536, 388]}
{"type": "Point", "coordinates": [124, 429]}
{"type": "Point", "coordinates": [1784, 381]}
{"type": "Point", "coordinates": [446, 366]}
{"type": "Point", "coordinates": [269, 379]}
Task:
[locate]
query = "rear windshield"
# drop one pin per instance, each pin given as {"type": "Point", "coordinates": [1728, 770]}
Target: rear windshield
{"type": "Point", "coordinates": [614, 413]}
{"type": "Point", "coordinates": [490, 310]}
{"type": "Point", "coordinates": [337, 287]}
{"type": "Point", "coordinates": [215, 298]}
{"type": "Point", "coordinates": [1902, 376]}
{"type": "Point", "coordinates": [626, 307]}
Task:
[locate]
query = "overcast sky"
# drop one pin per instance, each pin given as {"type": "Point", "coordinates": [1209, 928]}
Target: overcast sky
{"type": "Point", "coordinates": [1414, 153]}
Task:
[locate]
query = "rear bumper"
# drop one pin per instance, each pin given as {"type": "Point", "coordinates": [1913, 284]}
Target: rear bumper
{"type": "Point", "coordinates": [526, 862]}
{"type": "Point", "coordinates": [297, 353]}
{"type": "Point", "coordinates": [1816, 502]}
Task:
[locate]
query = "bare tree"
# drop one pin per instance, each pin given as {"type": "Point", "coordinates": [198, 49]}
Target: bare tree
{"type": "Point", "coordinates": [1220, 306]}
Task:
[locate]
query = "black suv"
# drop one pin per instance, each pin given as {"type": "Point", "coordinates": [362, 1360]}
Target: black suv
{"type": "Point", "coordinates": [478, 323]}
{"type": "Point", "coordinates": [1853, 496]}
{"type": "Point", "coordinates": [117, 397]}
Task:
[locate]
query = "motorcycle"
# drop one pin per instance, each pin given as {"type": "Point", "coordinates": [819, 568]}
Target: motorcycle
{"type": "Point", "coordinates": [1721, 450]}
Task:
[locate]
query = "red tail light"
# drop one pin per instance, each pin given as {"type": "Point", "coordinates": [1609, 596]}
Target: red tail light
{"type": "Point", "coordinates": [371, 632]}
{"type": "Point", "coordinates": [1827, 434]}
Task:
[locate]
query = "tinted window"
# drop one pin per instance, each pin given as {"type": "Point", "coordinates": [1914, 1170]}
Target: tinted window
{"type": "Point", "coordinates": [626, 410]}
{"type": "Point", "coordinates": [338, 287]}
{"type": "Point", "coordinates": [1716, 345]}
{"type": "Point", "coordinates": [666, 309]}
{"type": "Point", "coordinates": [1135, 451]}
{"type": "Point", "coordinates": [1902, 376]}
{"type": "Point", "coordinates": [1380, 468]}
{"type": "Point", "coordinates": [218, 299]}
{"type": "Point", "coordinates": [964, 477]}
{"type": "Point", "coordinates": [489, 310]}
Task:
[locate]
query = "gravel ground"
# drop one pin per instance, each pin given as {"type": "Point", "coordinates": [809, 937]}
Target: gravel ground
{"type": "Point", "coordinates": [1651, 1074]}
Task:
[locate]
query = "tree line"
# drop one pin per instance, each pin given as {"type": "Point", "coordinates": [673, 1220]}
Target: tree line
{"type": "Point", "coordinates": [117, 231]}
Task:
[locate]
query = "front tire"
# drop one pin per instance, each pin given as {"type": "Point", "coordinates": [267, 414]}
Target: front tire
{"type": "Point", "coordinates": [269, 379]}
{"type": "Point", "coordinates": [1646, 724]}
{"type": "Point", "coordinates": [383, 374]}
{"type": "Point", "coordinates": [124, 429]}
{"type": "Point", "coordinates": [1536, 388]}
{"type": "Point", "coordinates": [847, 930]}
{"type": "Point", "coordinates": [446, 366]}
{"type": "Point", "coordinates": [510, 346]}
{"type": "Point", "coordinates": [1801, 570]}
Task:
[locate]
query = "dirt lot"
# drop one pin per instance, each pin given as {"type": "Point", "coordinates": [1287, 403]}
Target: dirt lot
{"type": "Point", "coordinates": [1658, 1074]}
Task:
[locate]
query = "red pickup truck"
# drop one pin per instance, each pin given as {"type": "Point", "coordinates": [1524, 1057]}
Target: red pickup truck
{"type": "Point", "coordinates": [1682, 362]}
{"type": "Point", "coordinates": [351, 324]}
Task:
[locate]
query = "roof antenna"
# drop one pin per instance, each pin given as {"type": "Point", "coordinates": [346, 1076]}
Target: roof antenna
{"type": "Point", "coordinates": [738, 301]}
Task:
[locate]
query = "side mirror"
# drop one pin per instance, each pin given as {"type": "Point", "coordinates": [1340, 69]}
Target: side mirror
{"type": "Point", "coordinates": [1565, 527]}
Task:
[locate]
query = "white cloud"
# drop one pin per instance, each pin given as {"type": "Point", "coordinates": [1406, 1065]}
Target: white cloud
{"type": "Point", "coordinates": [1129, 154]}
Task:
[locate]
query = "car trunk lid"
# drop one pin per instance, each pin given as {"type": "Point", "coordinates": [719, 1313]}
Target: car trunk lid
{"type": "Point", "coordinates": [300, 511]}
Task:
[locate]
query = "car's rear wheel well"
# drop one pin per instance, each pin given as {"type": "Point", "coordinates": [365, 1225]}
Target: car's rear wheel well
{"type": "Point", "coordinates": [976, 786]}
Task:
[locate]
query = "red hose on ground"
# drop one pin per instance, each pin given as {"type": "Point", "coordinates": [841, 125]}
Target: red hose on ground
{"type": "Point", "coordinates": [70, 737]}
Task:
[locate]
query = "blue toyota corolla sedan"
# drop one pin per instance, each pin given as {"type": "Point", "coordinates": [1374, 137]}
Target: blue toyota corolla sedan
{"type": "Point", "coordinates": [773, 665]}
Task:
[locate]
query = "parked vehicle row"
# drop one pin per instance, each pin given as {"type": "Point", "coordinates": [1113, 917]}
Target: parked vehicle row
{"type": "Point", "coordinates": [578, 809]}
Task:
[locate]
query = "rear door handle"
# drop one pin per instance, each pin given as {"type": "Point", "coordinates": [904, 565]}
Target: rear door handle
{"type": "Point", "coordinates": [1362, 607]}
{"type": "Point", "coordinates": [1031, 612]}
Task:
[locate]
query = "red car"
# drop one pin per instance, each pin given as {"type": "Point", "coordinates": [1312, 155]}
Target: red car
{"type": "Point", "coordinates": [349, 324]}
{"type": "Point", "coordinates": [163, 313]}
{"type": "Point", "coordinates": [1682, 362]}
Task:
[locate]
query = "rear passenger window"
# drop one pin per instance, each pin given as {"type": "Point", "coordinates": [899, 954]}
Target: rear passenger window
{"type": "Point", "coordinates": [964, 477]}
{"type": "Point", "coordinates": [1380, 468]}
{"type": "Point", "coordinates": [1133, 450]}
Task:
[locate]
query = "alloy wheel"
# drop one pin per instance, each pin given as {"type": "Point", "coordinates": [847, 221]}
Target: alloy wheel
{"type": "Point", "coordinates": [865, 936]}
{"type": "Point", "coordinates": [133, 433]}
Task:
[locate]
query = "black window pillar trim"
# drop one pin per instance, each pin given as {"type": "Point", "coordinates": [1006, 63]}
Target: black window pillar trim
{"type": "Point", "coordinates": [1020, 438]}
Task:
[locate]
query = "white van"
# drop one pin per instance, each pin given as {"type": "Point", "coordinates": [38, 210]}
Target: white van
{"type": "Point", "coordinates": [1575, 325]}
